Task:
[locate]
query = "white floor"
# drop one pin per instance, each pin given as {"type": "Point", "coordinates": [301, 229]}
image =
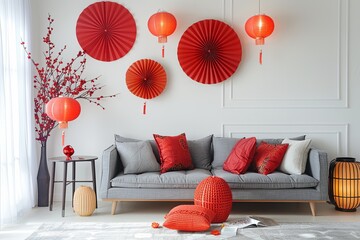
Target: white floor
{"type": "Point", "coordinates": [155, 211]}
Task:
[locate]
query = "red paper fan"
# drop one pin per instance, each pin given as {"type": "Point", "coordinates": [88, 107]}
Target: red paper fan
{"type": "Point", "coordinates": [146, 78]}
{"type": "Point", "coordinates": [209, 51]}
{"type": "Point", "coordinates": [106, 31]}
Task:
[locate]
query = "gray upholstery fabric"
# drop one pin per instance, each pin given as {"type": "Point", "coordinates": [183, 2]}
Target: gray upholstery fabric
{"type": "Point", "coordinates": [278, 140]}
{"type": "Point", "coordinates": [275, 180]}
{"type": "Point", "coordinates": [111, 165]}
{"type": "Point", "coordinates": [200, 151]}
{"type": "Point", "coordinates": [170, 180]}
{"type": "Point", "coordinates": [222, 147]}
{"type": "Point", "coordinates": [119, 138]}
{"type": "Point", "coordinates": [137, 157]}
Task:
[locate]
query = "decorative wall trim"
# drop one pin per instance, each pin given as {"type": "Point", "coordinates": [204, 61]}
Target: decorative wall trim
{"type": "Point", "coordinates": [342, 91]}
{"type": "Point", "coordinates": [331, 137]}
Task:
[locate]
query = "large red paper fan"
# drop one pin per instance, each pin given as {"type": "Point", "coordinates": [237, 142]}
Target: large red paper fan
{"type": "Point", "coordinates": [106, 31]}
{"type": "Point", "coordinates": [146, 78]}
{"type": "Point", "coordinates": [209, 51]}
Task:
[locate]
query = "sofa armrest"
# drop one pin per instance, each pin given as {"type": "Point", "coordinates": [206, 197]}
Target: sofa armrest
{"type": "Point", "coordinates": [318, 168]}
{"type": "Point", "coordinates": [111, 166]}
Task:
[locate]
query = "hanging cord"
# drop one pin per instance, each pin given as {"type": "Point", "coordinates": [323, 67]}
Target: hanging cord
{"type": "Point", "coordinates": [163, 51]}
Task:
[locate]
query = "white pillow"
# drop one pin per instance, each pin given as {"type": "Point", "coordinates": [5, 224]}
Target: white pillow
{"type": "Point", "coordinates": [137, 157]}
{"type": "Point", "coordinates": [294, 161]}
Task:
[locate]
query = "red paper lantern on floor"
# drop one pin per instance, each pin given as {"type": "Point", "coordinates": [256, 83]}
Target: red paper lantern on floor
{"type": "Point", "coordinates": [259, 27]}
{"type": "Point", "coordinates": [63, 110]}
{"type": "Point", "coordinates": [162, 25]}
{"type": "Point", "coordinates": [214, 193]}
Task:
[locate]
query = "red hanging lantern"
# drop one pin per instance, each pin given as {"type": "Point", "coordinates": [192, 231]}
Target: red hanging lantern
{"type": "Point", "coordinates": [162, 25]}
{"type": "Point", "coordinates": [259, 27]}
{"type": "Point", "coordinates": [63, 109]}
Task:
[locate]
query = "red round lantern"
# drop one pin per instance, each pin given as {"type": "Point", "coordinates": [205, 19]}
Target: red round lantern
{"type": "Point", "coordinates": [259, 27]}
{"type": "Point", "coordinates": [162, 24]}
{"type": "Point", "coordinates": [63, 109]}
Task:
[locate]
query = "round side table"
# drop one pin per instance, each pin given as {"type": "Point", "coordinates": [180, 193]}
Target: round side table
{"type": "Point", "coordinates": [65, 182]}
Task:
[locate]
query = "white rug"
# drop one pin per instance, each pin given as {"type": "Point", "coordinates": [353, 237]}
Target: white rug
{"type": "Point", "coordinates": [284, 231]}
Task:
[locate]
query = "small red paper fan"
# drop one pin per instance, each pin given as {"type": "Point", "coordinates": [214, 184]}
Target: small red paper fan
{"type": "Point", "coordinates": [106, 31]}
{"type": "Point", "coordinates": [209, 51]}
{"type": "Point", "coordinates": [146, 78]}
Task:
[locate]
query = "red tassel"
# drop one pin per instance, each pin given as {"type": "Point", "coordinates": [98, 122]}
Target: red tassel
{"type": "Point", "coordinates": [260, 57]}
{"type": "Point", "coordinates": [144, 108]}
{"type": "Point", "coordinates": [63, 138]}
{"type": "Point", "coordinates": [163, 51]}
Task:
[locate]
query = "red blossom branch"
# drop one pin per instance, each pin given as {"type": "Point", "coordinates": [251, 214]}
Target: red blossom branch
{"type": "Point", "coordinates": [58, 78]}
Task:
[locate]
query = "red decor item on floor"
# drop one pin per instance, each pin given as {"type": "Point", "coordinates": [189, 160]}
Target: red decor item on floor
{"type": "Point", "coordinates": [162, 25]}
{"type": "Point", "coordinates": [63, 110]}
{"type": "Point", "coordinates": [68, 151]}
{"type": "Point", "coordinates": [209, 51]}
{"type": "Point", "coordinates": [214, 193]}
{"type": "Point", "coordinates": [191, 218]}
{"type": "Point", "coordinates": [241, 156]}
{"type": "Point", "coordinates": [268, 157]}
{"type": "Point", "coordinates": [174, 153]}
{"type": "Point", "coordinates": [106, 31]}
{"type": "Point", "coordinates": [259, 27]}
{"type": "Point", "coordinates": [146, 79]}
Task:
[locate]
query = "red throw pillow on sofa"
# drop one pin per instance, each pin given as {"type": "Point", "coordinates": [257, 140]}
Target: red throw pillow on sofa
{"type": "Point", "coordinates": [268, 157]}
{"type": "Point", "coordinates": [241, 156]}
{"type": "Point", "coordinates": [174, 153]}
{"type": "Point", "coordinates": [192, 218]}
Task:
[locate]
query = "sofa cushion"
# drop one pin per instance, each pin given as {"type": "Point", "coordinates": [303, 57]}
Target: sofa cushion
{"type": "Point", "coordinates": [119, 138]}
{"type": "Point", "coordinates": [275, 180]}
{"type": "Point", "coordinates": [189, 218]}
{"type": "Point", "coordinates": [222, 147]}
{"type": "Point", "coordinates": [268, 157]}
{"type": "Point", "coordinates": [200, 151]}
{"type": "Point", "coordinates": [137, 157]}
{"type": "Point", "coordinates": [241, 156]}
{"type": "Point", "coordinates": [294, 161]}
{"type": "Point", "coordinates": [278, 140]}
{"type": "Point", "coordinates": [174, 153]}
{"type": "Point", "coordinates": [173, 179]}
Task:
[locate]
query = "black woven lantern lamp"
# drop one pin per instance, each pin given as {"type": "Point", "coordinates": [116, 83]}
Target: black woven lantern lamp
{"type": "Point", "coordinates": [344, 184]}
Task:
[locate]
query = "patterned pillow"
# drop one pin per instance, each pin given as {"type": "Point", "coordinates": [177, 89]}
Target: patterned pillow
{"type": "Point", "coordinates": [190, 218]}
{"type": "Point", "coordinates": [174, 153]}
{"type": "Point", "coordinates": [268, 157]}
{"type": "Point", "coordinates": [241, 156]}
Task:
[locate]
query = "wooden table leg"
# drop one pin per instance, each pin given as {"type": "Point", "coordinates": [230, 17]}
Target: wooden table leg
{"type": "Point", "coordinates": [73, 183]}
{"type": "Point", "coordinates": [94, 179]}
{"type": "Point", "coordinates": [52, 187]}
{"type": "Point", "coordinates": [64, 189]}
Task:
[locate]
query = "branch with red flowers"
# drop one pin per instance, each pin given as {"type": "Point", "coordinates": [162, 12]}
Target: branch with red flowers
{"type": "Point", "coordinates": [58, 78]}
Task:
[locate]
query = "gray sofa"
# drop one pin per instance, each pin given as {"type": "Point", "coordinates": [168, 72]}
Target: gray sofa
{"type": "Point", "coordinates": [208, 155]}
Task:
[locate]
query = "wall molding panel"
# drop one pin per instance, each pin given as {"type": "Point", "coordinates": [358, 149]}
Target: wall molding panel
{"type": "Point", "coordinates": [337, 93]}
{"type": "Point", "coordinates": [332, 137]}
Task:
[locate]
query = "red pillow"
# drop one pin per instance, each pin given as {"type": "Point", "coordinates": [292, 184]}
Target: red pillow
{"type": "Point", "coordinates": [192, 218]}
{"type": "Point", "coordinates": [241, 156]}
{"type": "Point", "coordinates": [174, 153]}
{"type": "Point", "coordinates": [268, 157]}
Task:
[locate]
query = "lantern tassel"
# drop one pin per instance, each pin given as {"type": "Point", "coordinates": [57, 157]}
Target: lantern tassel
{"type": "Point", "coordinates": [63, 138]}
{"type": "Point", "coordinates": [260, 56]}
{"type": "Point", "coordinates": [163, 51]}
{"type": "Point", "coordinates": [144, 108]}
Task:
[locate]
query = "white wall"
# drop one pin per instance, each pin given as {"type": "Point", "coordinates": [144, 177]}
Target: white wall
{"type": "Point", "coordinates": [308, 83]}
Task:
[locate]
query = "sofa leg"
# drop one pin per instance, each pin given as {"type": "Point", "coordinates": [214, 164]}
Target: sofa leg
{"type": "Point", "coordinates": [113, 207]}
{"type": "Point", "coordinates": [313, 208]}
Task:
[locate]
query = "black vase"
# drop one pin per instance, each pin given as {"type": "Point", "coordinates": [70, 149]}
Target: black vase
{"type": "Point", "coordinates": [43, 179]}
